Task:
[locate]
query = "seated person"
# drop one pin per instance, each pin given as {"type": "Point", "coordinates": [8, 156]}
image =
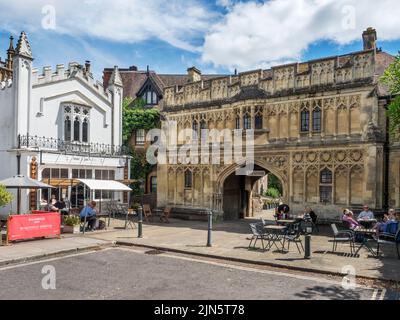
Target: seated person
{"type": "Point", "coordinates": [61, 206]}
{"type": "Point", "coordinates": [282, 212]}
{"type": "Point", "coordinates": [388, 220]}
{"type": "Point", "coordinates": [90, 213]}
{"type": "Point", "coordinates": [348, 218]}
{"type": "Point", "coordinates": [52, 208]}
{"type": "Point", "coordinates": [366, 214]}
{"type": "Point", "coordinates": [310, 214]}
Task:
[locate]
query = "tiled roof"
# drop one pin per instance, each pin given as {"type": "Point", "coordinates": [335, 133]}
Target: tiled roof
{"type": "Point", "coordinates": [134, 80]}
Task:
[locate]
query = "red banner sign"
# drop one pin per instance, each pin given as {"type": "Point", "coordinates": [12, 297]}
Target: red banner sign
{"type": "Point", "coordinates": [30, 226]}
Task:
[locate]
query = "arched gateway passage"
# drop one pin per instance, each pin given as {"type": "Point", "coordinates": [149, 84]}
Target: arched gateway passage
{"type": "Point", "coordinates": [237, 191]}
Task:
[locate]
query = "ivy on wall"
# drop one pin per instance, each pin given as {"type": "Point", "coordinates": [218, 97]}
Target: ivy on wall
{"type": "Point", "coordinates": [136, 116]}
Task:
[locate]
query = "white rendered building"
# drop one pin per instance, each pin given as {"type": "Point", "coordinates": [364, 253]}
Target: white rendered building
{"type": "Point", "coordinates": [60, 126]}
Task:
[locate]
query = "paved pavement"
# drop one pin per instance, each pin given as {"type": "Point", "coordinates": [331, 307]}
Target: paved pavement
{"type": "Point", "coordinates": [132, 274]}
{"type": "Point", "coordinates": [231, 239]}
{"type": "Point", "coordinates": [31, 250]}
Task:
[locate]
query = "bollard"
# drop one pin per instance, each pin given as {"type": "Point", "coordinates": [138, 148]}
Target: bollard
{"type": "Point", "coordinates": [140, 222]}
{"type": "Point", "coordinates": [307, 247]}
{"type": "Point", "coordinates": [210, 214]}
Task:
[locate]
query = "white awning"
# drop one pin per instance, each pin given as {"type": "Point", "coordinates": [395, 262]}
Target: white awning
{"type": "Point", "coordinates": [105, 185]}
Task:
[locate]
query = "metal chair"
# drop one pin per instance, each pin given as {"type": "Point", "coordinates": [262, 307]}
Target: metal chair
{"type": "Point", "coordinates": [130, 219]}
{"type": "Point", "coordinates": [293, 234]}
{"type": "Point", "coordinates": [343, 236]}
{"type": "Point", "coordinates": [389, 239]}
{"type": "Point", "coordinates": [257, 234]}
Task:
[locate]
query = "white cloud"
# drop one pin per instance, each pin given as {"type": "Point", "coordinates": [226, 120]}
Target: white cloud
{"type": "Point", "coordinates": [263, 34]}
{"type": "Point", "coordinates": [180, 23]}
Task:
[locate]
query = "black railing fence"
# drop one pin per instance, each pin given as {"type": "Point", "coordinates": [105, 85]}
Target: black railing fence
{"type": "Point", "coordinates": [71, 147]}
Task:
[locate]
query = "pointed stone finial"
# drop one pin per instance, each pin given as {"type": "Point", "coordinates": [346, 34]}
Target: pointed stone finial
{"type": "Point", "coordinates": [11, 47]}
{"type": "Point", "coordinates": [10, 54]}
{"type": "Point", "coordinates": [115, 78]}
{"type": "Point", "coordinates": [23, 46]}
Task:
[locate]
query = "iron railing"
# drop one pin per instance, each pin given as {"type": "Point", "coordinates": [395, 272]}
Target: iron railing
{"type": "Point", "coordinates": [71, 147]}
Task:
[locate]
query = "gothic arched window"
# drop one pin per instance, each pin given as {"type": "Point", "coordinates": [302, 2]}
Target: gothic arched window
{"type": "Point", "coordinates": [325, 188]}
{"type": "Point", "coordinates": [77, 129]}
{"type": "Point", "coordinates": [188, 179]}
{"type": "Point", "coordinates": [317, 119]}
{"type": "Point", "coordinates": [305, 120]}
{"type": "Point", "coordinates": [246, 122]}
{"type": "Point", "coordinates": [76, 123]}
{"type": "Point", "coordinates": [237, 123]}
{"type": "Point", "coordinates": [85, 131]}
{"type": "Point", "coordinates": [195, 129]}
{"type": "Point", "coordinates": [67, 129]}
{"type": "Point", "coordinates": [203, 127]}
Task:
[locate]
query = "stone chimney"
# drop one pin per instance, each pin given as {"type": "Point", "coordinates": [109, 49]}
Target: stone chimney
{"type": "Point", "coordinates": [370, 38]}
{"type": "Point", "coordinates": [194, 74]}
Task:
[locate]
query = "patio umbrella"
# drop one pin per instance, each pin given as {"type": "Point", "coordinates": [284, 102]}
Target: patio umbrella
{"type": "Point", "coordinates": [21, 182]}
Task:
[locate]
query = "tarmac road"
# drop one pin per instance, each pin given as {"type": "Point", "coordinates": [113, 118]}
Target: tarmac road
{"type": "Point", "coordinates": [120, 273]}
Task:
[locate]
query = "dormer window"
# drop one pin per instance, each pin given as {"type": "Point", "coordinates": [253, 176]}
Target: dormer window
{"type": "Point", "coordinates": [149, 95]}
{"type": "Point", "coordinates": [76, 124]}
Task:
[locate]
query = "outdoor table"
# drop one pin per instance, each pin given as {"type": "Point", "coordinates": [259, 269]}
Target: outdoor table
{"type": "Point", "coordinates": [285, 222]}
{"type": "Point", "coordinates": [365, 243]}
{"type": "Point", "coordinates": [275, 234]}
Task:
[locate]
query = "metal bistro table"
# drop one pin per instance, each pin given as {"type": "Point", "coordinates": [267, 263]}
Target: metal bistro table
{"type": "Point", "coordinates": [367, 238]}
{"type": "Point", "coordinates": [273, 235]}
{"type": "Point", "coordinates": [285, 222]}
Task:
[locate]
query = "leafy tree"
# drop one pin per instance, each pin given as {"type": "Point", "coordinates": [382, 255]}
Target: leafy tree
{"type": "Point", "coordinates": [273, 193]}
{"type": "Point", "coordinates": [391, 78]}
{"type": "Point", "coordinates": [5, 196]}
{"type": "Point", "coordinates": [275, 183]}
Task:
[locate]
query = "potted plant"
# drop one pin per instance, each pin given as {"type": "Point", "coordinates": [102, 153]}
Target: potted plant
{"type": "Point", "coordinates": [71, 224]}
{"type": "Point", "coordinates": [5, 198]}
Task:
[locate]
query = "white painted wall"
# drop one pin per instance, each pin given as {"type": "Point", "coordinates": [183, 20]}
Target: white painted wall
{"type": "Point", "coordinates": [48, 118]}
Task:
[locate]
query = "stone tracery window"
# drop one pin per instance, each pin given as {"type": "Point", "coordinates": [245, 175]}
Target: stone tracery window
{"type": "Point", "coordinates": [317, 119]}
{"type": "Point", "coordinates": [76, 123]}
{"type": "Point", "coordinates": [325, 189]}
{"type": "Point", "coordinates": [258, 119]}
{"type": "Point", "coordinates": [246, 121]}
{"type": "Point", "coordinates": [188, 179]}
{"type": "Point", "coordinates": [305, 120]}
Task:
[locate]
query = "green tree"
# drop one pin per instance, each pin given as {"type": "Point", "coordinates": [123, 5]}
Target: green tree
{"type": "Point", "coordinates": [391, 78]}
{"type": "Point", "coordinates": [275, 183]}
{"type": "Point", "coordinates": [5, 196]}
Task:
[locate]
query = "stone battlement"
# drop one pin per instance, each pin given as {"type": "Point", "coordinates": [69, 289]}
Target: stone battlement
{"type": "Point", "coordinates": [74, 70]}
{"type": "Point", "coordinates": [329, 72]}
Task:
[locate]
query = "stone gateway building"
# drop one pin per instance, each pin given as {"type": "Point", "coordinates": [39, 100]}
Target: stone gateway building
{"type": "Point", "coordinates": [320, 127]}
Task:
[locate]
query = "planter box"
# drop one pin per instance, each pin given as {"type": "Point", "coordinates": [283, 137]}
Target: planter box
{"type": "Point", "coordinates": [71, 229]}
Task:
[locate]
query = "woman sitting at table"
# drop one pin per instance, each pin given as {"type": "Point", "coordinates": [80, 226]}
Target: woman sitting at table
{"type": "Point", "coordinates": [348, 218]}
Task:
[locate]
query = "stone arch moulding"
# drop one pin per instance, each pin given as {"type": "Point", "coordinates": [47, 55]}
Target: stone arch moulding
{"type": "Point", "coordinates": [228, 170]}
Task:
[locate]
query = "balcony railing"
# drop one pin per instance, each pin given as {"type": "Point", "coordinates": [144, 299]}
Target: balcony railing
{"type": "Point", "coordinates": [71, 147]}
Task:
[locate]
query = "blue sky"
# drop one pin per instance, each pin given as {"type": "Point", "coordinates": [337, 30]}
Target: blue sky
{"type": "Point", "coordinates": [216, 36]}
